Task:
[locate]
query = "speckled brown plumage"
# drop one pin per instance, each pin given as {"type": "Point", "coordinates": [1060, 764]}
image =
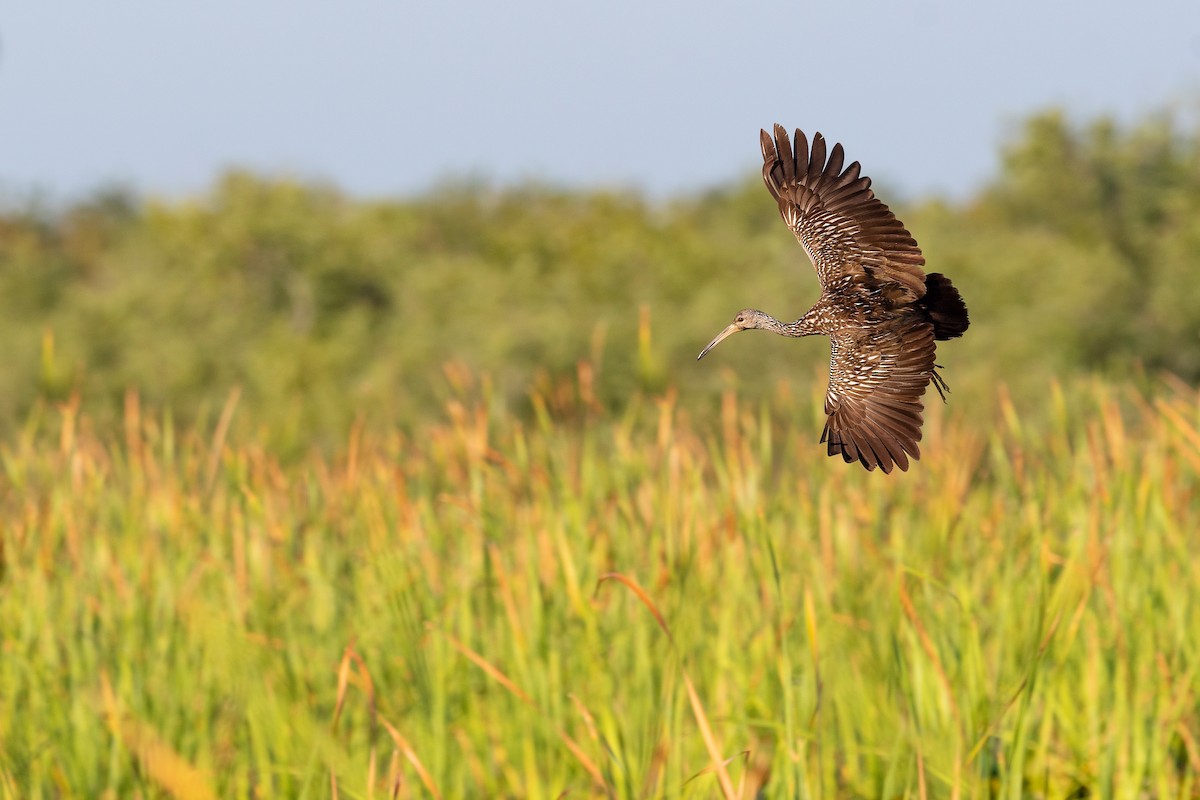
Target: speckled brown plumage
{"type": "Point", "coordinates": [880, 310]}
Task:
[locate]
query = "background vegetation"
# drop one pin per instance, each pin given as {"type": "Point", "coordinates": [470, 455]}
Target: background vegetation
{"type": "Point", "coordinates": [1079, 257]}
{"type": "Point", "coordinates": [304, 495]}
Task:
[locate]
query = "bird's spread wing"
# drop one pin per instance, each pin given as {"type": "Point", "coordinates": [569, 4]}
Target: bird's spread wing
{"type": "Point", "coordinates": [876, 380]}
{"type": "Point", "coordinates": [834, 213]}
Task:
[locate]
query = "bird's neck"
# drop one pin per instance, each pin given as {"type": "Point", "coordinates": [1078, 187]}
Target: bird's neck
{"type": "Point", "coordinates": [801, 327]}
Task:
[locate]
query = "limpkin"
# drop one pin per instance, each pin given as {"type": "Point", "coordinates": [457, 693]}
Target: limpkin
{"type": "Point", "coordinates": [880, 310]}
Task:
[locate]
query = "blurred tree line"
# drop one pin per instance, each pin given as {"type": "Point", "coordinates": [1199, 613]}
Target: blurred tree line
{"type": "Point", "coordinates": [322, 308]}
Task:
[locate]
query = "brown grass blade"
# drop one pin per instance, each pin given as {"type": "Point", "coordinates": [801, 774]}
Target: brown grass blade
{"type": "Point", "coordinates": [744, 756]}
{"type": "Point", "coordinates": [372, 773]}
{"type": "Point", "coordinates": [927, 645]}
{"type": "Point", "coordinates": [640, 593]}
{"type": "Point", "coordinates": [395, 775]}
{"type": "Point", "coordinates": [410, 754]}
{"type": "Point", "coordinates": [168, 769]}
{"type": "Point", "coordinates": [706, 731]}
{"type": "Point", "coordinates": [1185, 429]}
{"type": "Point", "coordinates": [493, 672]}
{"type": "Point", "coordinates": [588, 720]}
{"type": "Point", "coordinates": [710, 739]}
{"type": "Point", "coordinates": [350, 664]}
{"type": "Point", "coordinates": [343, 683]}
{"type": "Point", "coordinates": [508, 684]}
{"type": "Point", "coordinates": [814, 645]}
{"type": "Point", "coordinates": [218, 439]}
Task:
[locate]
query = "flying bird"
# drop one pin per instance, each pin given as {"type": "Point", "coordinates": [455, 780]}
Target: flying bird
{"type": "Point", "coordinates": [881, 311]}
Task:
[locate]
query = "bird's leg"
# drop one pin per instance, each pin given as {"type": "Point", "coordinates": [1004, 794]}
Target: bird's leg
{"type": "Point", "coordinates": [939, 382]}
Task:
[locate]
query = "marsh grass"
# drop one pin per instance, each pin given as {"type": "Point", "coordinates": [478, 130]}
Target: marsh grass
{"type": "Point", "coordinates": [651, 604]}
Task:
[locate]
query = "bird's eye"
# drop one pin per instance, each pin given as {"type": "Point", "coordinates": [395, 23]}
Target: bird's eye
{"type": "Point", "coordinates": [741, 319]}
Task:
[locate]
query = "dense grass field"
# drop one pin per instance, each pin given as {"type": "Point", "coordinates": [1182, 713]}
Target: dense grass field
{"type": "Point", "coordinates": [481, 608]}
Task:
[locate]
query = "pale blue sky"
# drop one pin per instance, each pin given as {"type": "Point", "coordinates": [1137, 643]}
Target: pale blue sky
{"type": "Point", "coordinates": [386, 98]}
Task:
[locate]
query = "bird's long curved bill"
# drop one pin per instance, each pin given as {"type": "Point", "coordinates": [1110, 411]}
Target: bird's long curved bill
{"type": "Point", "coordinates": [720, 337]}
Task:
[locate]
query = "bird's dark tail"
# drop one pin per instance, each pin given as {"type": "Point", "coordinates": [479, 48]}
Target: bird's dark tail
{"type": "Point", "coordinates": [945, 307]}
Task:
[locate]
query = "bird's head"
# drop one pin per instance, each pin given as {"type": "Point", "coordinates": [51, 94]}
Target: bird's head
{"type": "Point", "coordinates": [746, 319]}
